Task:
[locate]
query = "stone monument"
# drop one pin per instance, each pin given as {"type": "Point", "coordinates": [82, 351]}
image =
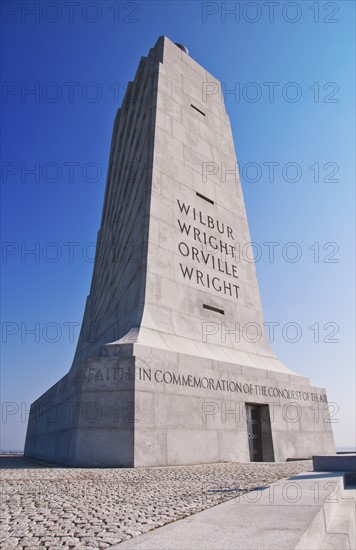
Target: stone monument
{"type": "Point", "coordinates": [172, 364]}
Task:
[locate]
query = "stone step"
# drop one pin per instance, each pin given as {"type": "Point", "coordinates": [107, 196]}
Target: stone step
{"type": "Point", "coordinates": [306, 512]}
{"type": "Point", "coordinates": [336, 542]}
{"type": "Point", "coordinates": [341, 530]}
{"type": "Point", "coordinates": [334, 526]}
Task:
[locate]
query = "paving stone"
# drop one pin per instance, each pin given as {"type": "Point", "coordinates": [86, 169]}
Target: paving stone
{"type": "Point", "coordinates": [64, 514]}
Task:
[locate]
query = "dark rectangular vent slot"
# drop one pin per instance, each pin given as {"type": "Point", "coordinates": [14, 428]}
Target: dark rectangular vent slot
{"type": "Point", "coordinates": [216, 309]}
{"type": "Point", "coordinates": [196, 108]}
{"type": "Point", "coordinates": [205, 198]}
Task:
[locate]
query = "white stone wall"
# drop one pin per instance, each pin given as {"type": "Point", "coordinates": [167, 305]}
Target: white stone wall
{"type": "Point", "coordinates": [185, 139]}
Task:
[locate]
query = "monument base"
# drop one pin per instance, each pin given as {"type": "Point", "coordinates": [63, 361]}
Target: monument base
{"type": "Point", "coordinates": [135, 406]}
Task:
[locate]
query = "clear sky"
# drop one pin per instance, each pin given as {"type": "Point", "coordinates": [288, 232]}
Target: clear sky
{"type": "Point", "coordinates": [65, 66]}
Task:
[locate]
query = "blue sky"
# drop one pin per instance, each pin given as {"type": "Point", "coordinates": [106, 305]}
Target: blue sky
{"type": "Point", "coordinates": [77, 59]}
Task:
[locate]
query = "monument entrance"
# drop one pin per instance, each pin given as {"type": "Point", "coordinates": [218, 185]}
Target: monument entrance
{"type": "Point", "coordinates": [253, 416]}
{"type": "Point", "coordinates": [180, 342]}
{"type": "Point", "coordinates": [259, 433]}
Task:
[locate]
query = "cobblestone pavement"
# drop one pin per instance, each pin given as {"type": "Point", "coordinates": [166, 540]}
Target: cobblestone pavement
{"type": "Point", "coordinates": [62, 508]}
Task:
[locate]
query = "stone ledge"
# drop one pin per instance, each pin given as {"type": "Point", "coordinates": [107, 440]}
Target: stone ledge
{"type": "Point", "coordinates": [296, 514]}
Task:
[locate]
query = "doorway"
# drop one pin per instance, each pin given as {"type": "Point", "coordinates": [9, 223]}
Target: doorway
{"type": "Point", "coordinates": [259, 433]}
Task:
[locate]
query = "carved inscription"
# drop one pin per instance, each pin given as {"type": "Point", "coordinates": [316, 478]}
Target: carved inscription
{"type": "Point", "coordinates": [214, 249]}
{"type": "Point", "coordinates": [166, 377]}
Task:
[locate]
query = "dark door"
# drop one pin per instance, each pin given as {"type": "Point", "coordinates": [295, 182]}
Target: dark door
{"type": "Point", "coordinates": [253, 416]}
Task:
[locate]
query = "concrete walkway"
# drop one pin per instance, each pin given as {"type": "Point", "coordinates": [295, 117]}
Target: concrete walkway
{"type": "Point", "coordinates": [307, 511]}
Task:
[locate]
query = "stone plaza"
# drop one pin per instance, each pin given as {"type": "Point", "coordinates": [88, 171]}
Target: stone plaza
{"type": "Point", "coordinates": [59, 509]}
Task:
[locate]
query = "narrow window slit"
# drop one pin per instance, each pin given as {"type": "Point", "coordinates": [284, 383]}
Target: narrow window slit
{"type": "Point", "coordinates": [202, 197]}
{"type": "Point", "coordinates": [196, 108]}
{"type": "Point", "coordinates": [215, 309]}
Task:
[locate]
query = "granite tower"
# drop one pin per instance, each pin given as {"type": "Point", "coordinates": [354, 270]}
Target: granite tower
{"type": "Point", "coordinates": [172, 364]}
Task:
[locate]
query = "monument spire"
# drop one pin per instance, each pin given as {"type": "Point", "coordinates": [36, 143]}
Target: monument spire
{"type": "Point", "coordinates": [173, 321]}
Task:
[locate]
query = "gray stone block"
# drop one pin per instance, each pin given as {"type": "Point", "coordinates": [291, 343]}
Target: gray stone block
{"type": "Point", "coordinates": [335, 463]}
